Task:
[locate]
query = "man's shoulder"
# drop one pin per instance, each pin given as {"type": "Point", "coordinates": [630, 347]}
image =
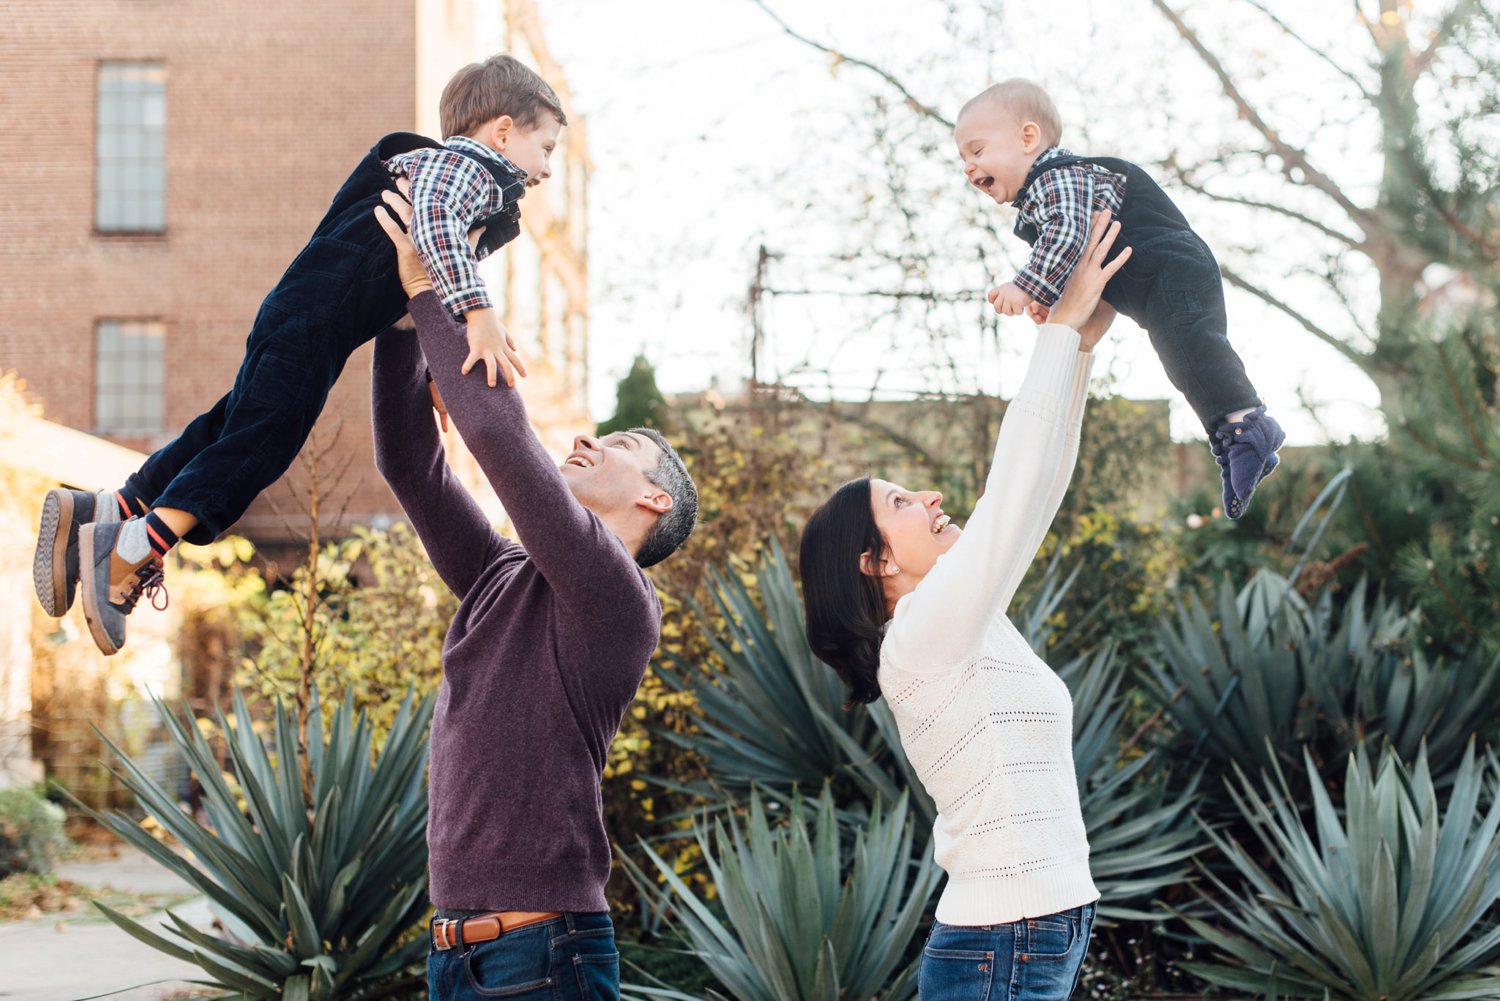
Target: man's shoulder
{"type": "Point", "coordinates": [613, 574]}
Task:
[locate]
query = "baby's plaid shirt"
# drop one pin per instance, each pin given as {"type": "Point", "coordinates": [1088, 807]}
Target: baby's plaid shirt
{"type": "Point", "coordinates": [1060, 203]}
{"type": "Point", "coordinates": [450, 193]}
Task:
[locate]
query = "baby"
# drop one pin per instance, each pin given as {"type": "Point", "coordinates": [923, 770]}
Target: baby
{"type": "Point", "coordinates": [500, 122]}
{"type": "Point", "coordinates": [1008, 137]}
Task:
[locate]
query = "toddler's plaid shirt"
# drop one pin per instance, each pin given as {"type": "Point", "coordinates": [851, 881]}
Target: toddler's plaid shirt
{"type": "Point", "coordinates": [450, 193]}
{"type": "Point", "coordinates": [1060, 203]}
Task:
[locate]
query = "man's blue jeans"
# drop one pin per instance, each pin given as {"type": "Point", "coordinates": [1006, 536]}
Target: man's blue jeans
{"type": "Point", "coordinates": [1038, 959]}
{"type": "Point", "coordinates": [571, 958]}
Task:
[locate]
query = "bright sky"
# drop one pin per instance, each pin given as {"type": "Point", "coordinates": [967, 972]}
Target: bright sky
{"type": "Point", "coordinates": [713, 132]}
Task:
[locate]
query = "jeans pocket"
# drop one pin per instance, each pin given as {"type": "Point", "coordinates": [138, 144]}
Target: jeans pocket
{"type": "Point", "coordinates": [1052, 936]}
{"type": "Point", "coordinates": [520, 969]}
{"type": "Point", "coordinates": [1048, 970]}
{"type": "Point", "coordinates": [598, 976]}
{"type": "Point", "coordinates": [955, 974]}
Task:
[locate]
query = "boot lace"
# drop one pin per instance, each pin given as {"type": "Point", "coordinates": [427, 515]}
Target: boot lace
{"type": "Point", "coordinates": [150, 580]}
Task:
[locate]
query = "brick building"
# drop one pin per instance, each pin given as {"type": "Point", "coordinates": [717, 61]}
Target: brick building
{"type": "Point", "coordinates": [164, 162]}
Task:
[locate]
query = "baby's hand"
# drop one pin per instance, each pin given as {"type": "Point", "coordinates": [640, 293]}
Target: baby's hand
{"type": "Point", "coordinates": [491, 344]}
{"type": "Point", "coordinates": [1009, 300]}
{"type": "Point", "coordinates": [1037, 312]}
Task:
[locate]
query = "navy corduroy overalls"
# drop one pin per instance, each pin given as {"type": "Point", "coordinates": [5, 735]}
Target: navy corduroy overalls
{"type": "Point", "coordinates": [1170, 286]}
{"type": "Point", "coordinates": [339, 292]}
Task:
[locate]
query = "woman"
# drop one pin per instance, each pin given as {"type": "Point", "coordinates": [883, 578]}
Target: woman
{"type": "Point", "coordinates": [900, 602]}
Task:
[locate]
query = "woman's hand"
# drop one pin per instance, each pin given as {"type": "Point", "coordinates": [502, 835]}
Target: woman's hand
{"type": "Point", "coordinates": [413, 275]}
{"type": "Point", "coordinates": [1094, 327]}
{"type": "Point", "coordinates": [1078, 306]}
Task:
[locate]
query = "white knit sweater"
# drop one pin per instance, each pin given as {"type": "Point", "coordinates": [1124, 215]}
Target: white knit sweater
{"type": "Point", "coordinates": [986, 723]}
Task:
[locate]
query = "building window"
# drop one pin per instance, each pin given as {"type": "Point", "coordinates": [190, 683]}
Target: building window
{"type": "Point", "coordinates": [129, 377]}
{"type": "Point", "coordinates": [131, 174]}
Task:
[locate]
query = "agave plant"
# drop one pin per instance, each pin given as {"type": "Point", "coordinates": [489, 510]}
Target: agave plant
{"type": "Point", "coordinates": [770, 713]}
{"type": "Point", "coordinates": [1384, 902]}
{"type": "Point", "coordinates": [807, 915]}
{"type": "Point", "coordinates": [318, 899]}
{"type": "Point", "coordinates": [1140, 831]}
{"type": "Point", "coordinates": [1269, 674]}
{"type": "Point", "coordinates": [1370, 677]}
{"type": "Point", "coordinates": [1233, 682]}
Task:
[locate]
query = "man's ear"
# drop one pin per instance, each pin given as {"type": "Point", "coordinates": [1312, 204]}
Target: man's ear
{"type": "Point", "coordinates": [657, 501]}
{"type": "Point", "coordinates": [1031, 136]}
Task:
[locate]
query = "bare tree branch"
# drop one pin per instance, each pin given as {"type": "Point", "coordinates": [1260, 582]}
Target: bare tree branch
{"type": "Point", "coordinates": [912, 102]}
{"type": "Point", "coordinates": [1292, 158]}
{"type": "Point", "coordinates": [1423, 61]}
{"type": "Point", "coordinates": [1186, 179]}
{"type": "Point", "coordinates": [1487, 246]}
{"type": "Point", "coordinates": [1324, 56]}
{"type": "Point", "coordinates": [1369, 26]}
{"type": "Point", "coordinates": [1357, 357]}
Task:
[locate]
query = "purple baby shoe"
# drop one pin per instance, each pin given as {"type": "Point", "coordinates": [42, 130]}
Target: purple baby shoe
{"type": "Point", "coordinates": [1246, 453]}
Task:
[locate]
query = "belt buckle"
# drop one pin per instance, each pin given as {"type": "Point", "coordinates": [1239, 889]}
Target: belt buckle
{"type": "Point", "coordinates": [443, 934]}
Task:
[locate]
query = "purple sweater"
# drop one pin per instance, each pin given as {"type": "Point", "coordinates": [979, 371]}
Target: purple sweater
{"type": "Point", "coordinates": [550, 642]}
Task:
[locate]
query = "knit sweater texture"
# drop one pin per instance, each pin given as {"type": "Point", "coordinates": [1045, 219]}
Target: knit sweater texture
{"type": "Point", "coordinates": [986, 723]}
{"type": "Point", "coordinates": [550, 641]}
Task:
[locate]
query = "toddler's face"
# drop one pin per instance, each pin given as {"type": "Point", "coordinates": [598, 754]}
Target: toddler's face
{"type": "Point", "coordinates": [531, 148]}
{"type": "Point", "coordinates": [997, 150]}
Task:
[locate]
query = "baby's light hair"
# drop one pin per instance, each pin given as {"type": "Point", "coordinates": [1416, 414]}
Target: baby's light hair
{"type": "Point", "coordinates": [1027, 101]}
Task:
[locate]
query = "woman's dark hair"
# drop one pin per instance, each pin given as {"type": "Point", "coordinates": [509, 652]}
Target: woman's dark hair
{"type": "Point", "coordinates": [845, 607]}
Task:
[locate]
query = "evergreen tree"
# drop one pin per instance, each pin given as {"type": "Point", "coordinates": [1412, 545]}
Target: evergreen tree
{"type": "Point", "coordinates": [1427, 499]}
{"type": "Point", "coordinates": [638, 403]}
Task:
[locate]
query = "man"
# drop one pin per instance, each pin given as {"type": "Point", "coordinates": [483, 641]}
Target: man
{"type": "Point", "coordinates": [551, 639]}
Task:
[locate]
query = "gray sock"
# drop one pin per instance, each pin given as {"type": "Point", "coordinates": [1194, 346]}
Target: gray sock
{"type": "Point", "coordinates": [133, 545]}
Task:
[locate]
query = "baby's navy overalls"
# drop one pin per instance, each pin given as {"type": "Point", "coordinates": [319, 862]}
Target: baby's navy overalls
{"type": "Point", "coordinates": [1170, 286]}
{"type": "Point", "coordinates": [340, 292]}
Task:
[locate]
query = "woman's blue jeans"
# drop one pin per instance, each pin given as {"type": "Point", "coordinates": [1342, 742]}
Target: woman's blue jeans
{"type": "Point", "coordinates": [1038, 959]}
{"type": "Point", "coordinates": [571, 958]}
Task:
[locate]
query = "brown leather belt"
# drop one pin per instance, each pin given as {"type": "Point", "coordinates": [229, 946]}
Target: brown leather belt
{"type": "Point", "coordinates": [486, 927]}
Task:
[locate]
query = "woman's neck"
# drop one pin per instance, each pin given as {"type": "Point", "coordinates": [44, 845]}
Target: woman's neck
{"type": "Point", "coordinates": [898, 586]}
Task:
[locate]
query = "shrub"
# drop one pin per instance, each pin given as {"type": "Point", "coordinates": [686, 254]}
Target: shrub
{"type": "Point", "coordinates": [31, 832]}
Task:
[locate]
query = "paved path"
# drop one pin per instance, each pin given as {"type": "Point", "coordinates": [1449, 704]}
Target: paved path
{"type": "Point", "coordinates": [63, 957]}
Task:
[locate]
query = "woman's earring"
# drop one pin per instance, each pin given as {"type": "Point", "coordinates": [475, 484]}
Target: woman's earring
{"type": "Point", "coordinates": [894, 570]}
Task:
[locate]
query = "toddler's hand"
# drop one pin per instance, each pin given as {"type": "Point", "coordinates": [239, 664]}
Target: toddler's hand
{"type": "Point", "coordinates": [1009, 300]}
{"type": "Point", "coordinates": [491, 343]}
{"type": "Point", "coordinates": [1037, 312]}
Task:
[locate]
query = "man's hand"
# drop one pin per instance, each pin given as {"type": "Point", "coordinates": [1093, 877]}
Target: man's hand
{"type": "Point", "coordinates": [1009, 300]}
{"type": "Point", "coordinates": [491, 343]}
{"type": "Point", "coordinates": [438, 404]}
{"type": "Point", "coordinates": [414, 277]}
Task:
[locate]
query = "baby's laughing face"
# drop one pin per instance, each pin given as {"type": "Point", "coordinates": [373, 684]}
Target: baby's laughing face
{"type": "Point", "coordinates": [997, 150]}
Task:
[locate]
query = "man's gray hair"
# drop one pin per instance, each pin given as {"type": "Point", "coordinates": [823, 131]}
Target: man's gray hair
{"type": "Point", "coordinates": [672, 528]}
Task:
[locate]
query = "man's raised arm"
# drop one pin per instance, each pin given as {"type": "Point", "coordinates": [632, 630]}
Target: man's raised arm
{"type": "Point", "coordinates": [408, 452]}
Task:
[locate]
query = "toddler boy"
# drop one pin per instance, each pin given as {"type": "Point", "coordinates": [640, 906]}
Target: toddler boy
{"type": "Point", "coordinates": [500, 121]}
{"type": "Point", "coordinates": [1008, 138]}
